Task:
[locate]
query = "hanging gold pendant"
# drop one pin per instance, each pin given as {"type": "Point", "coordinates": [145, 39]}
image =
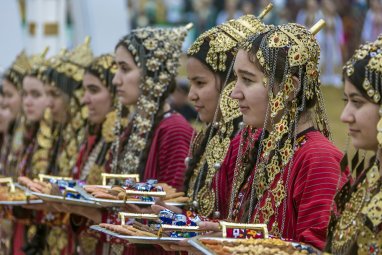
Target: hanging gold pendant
{"type": "Point", "coordinates": [206, 198]}
{"type": "Point", "coordinates": [343, 240]}
{"type": "Point", "coordinates": [368, 242]}
{"type": "Point", "coordinates": [373, 210]}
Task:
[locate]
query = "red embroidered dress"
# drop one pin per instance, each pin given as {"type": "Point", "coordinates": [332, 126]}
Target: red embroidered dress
{"type": "Point", "coordinates": [310, 185]}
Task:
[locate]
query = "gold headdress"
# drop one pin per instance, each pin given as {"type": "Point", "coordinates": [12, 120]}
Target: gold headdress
{"type": "Point", "coordinates": [70, 67]}
{"type": "Point", "coordinates": [156, 51]}
{"type": "Point", "coordinates": [19, 68]}
{"type": "Point", "coordinates": [217, 48]}
{"type": "Point", "coordinates": [282, 52]}
{"type": "Point", "coordinates": [370, 52]}
{"type": "Point", "coordinates": [104, 68]}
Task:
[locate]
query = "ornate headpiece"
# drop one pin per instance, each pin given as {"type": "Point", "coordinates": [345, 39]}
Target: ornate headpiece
{"type": "Point", "coordinates": [38, 65]}
{"type": "Point", "coordinates": [104, 68]}
{"type": "Point", "coordinates": [215, 46]}
{"type": "Point", "coordinates": [283, 52]}
{"type": "Point", "coordinates": [19, 68]}
{"type": "Point", "coordinates": [371, 56]}
{"type": "Point", "coordinates": [156, 51]}
{"type": "Point", "coordinates": [66, 70]}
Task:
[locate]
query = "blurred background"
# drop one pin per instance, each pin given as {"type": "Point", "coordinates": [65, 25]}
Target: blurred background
{"type": "Point", "coordinates": [34, 24]}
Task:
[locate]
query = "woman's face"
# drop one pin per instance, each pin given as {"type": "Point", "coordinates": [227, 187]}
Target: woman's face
{"type": "Point", "coordinates": [58, 102]}
{"type": "Point", "coordinates": [361, 116]}
{"type": "Point", "coordinates": [12, 99]}
{"type": "Point", "coordinates": [250, 90]}
{"type": "Point", "coordinates": [5, 116]}
{"type": "Point", "coordinates": [97, 98]}
{"type": "Point", "coordinates": [34, 98]}
{"type": "Point", "coordinates": [204, 93]}
{"type": "Point", "coordinates": [127, 78]}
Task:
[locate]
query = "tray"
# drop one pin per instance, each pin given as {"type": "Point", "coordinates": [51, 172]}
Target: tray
{"type": "Point", "coordinates": [138, 239]}
{"type": "Point", "coordinates": [22, 202]}
{"type": "Point", "coordinates": [202, 248]}
{"type": "Point", "coordinates": [65, 200]}
{"type": "Point", "coordinates": [116, 203]}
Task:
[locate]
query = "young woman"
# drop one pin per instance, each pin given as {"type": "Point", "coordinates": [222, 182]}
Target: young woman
{"type": "Point", "coordinates": [357, 227]}
{"type": "Point", "coordinates": [156, 140]}
{"type": "Point", "coordinates": [210, 91]}
{"type": "Point", "coordinates": [100, 100]}
{"type": "Point", "coordinates": [64, 80]}
{"type": "Point", "coordinates": [12, 85]}
{"type": "Point", "coordinates": [34, 103]}
{"type": "Point", "coordinates": [278, 90]}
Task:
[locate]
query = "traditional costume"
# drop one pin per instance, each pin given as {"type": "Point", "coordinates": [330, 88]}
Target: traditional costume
{"type": "Point", "coordinates": [282, 178]}
{"type": "Point", "coordinates": [356, 229]}
{"type": "Point", "coordinates": [216, 49]}
{"type": "Point", "coordinates": [155, 143]}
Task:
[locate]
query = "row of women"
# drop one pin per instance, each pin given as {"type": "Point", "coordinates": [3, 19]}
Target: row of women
{"type": "Point", "coordinates": [264, 155]}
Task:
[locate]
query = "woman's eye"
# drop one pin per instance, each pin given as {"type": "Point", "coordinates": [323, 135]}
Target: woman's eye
{"type": "Point", "coordinates": [35, 94]}
{"type": "Point", "coordinates": [357, 103]}
{"type": "Point", "coordinates": [246, 80]}
{"type": "Point", "coordinates": [124, 68]}
{"type": "Point", "coordinates": [199, 83]}
{"type": "Point", "coordinates": [93, 91]}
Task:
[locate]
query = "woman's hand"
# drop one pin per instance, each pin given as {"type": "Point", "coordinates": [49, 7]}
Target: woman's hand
{"type": "Point", "coordinates": [35, 186]}
{"type": "Point", "coordinates": [46, 207]}
{"type": "Point", "coordinates": [209, 226]}
{"type": "Point", "coordinates": [161, 205]}
{"type": "Point", "coordinates": [131, 208]}
{"type": "Point", "coordinates": [93, 214]}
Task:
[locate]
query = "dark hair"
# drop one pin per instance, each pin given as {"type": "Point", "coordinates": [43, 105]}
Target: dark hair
{"type": "Point", "coordinates": [61, 80]}
{"type": "Point", "coordinates": [198, 152]}
{"type": "Point", "coordinates": [358, 76]}
{"type": "Point", "coordinates": [14, 77]}
{"type": "Point", "coordinates": [105, 75]}
{"type": "Point", "coordinates": [201, 55]}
